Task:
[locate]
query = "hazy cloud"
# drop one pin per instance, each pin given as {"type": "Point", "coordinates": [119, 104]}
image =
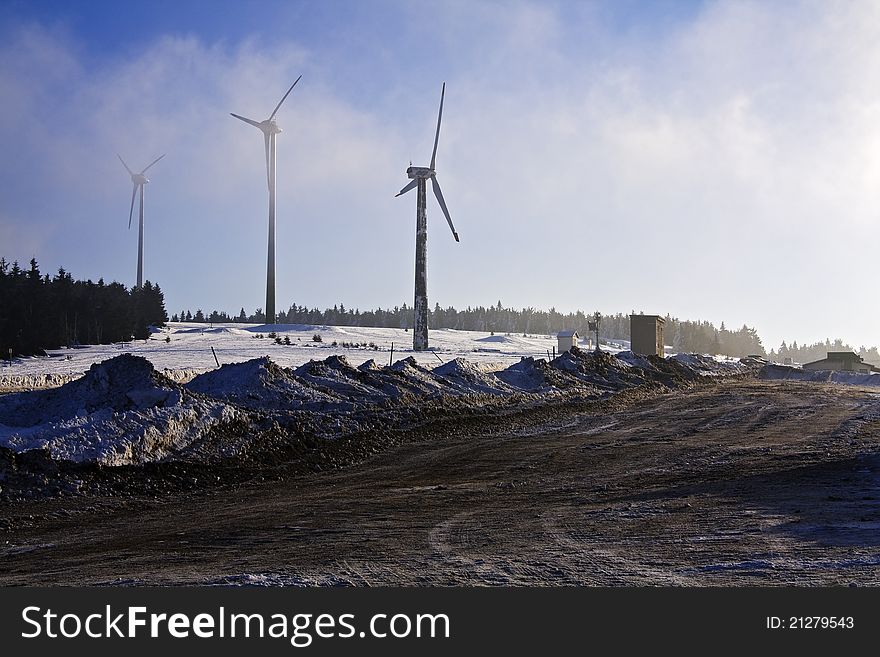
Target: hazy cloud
{"type": "Point", "coordinates": [725, 168]}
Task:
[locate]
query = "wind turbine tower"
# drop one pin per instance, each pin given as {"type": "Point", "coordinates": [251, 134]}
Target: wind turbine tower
{"type": "Point", "coordinates": [270, 131]}
{"type": "Point", "coordinates": [138, 181]}
{"type": "Point", "coordinates": [420, 176]}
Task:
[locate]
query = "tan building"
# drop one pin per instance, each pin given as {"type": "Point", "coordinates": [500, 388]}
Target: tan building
{"type": "Point", "coordinates": [567, 340]}
{"type": "Point", "coordinates": [841, 361]}
{"type": "Point", "coordinates": [646, 334]}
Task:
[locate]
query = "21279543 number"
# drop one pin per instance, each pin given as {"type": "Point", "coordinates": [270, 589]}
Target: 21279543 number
{"type": "Point", "coordinates": [821, 622]}
{"type": "Point", "coordinates": [810, 623]}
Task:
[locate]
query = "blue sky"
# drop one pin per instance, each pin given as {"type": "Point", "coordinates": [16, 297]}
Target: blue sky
{"type": "Point", "coordinates": [714, 160]}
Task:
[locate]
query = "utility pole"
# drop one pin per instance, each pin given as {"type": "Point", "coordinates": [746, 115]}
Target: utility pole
{"type": "Point", "coordinates": [594, 326]}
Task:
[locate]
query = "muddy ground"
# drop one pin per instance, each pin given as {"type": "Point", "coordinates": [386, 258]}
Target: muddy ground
{"type": "Point", "coordinates": [739, 482]}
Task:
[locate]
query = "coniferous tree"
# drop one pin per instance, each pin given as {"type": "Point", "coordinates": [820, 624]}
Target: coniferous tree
{"type": "Point", "coordinates": [39, 312]}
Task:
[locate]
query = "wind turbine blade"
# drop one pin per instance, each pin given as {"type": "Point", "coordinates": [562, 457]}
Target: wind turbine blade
{"type": "Point", "coordinates": [256, 124]}
{"type": "Point", "coordinates": [439, 196]}
{"type": "Point", "coordinates": [130, 212]}
{"type": "Point", "coordinates": [153, 162]}
{"type": "Point", "coordinates": [130, 172]}
{"type": "Point", "coordinates": [437, 136]}
{"type": "Point", "coordinates": [411, 185]}
{"type": "Point", "coordinates": [284, 98]}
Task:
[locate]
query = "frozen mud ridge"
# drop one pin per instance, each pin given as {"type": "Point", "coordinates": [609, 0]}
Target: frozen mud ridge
{"type": "Point", "coordinates": [124, 412]}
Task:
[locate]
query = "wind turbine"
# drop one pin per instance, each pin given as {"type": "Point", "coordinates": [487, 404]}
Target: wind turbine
{"type": "Point", "coordinates": [139, 180]}
{"type": "Point", "coordinates": [419, 175]}
{"type": "Point", "coordinates": [270, 130]}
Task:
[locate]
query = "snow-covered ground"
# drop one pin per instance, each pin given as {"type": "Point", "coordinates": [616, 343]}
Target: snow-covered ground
{"type": "Point", "coordinates": [189, 351]}
{"type": "Point", "coordinates": [786, 373]}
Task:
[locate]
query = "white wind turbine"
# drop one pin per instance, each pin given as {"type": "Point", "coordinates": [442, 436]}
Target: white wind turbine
{"type": "Point", "coordinates": [138, 181]}
{"type": "Point", "coordinates": [419, 175]}
{"type": "Point", "coordinates": [270, 130]}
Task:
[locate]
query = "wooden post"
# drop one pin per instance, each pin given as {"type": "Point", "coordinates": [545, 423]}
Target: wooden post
{"type": "Point", "coordinates": [215, 356]}
{"type": "Point", "coordinates": [391, 358]}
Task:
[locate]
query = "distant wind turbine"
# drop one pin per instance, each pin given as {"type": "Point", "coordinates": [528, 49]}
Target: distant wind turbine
{"type": "Point", "coordinates": [270, 130]}
{"type": "Point", "coordinates": [419, 175]}
{"type": "Point", "coordinates": [138, 180]}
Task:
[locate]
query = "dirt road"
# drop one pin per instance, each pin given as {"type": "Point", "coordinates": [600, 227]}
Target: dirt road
{"type": "Point", "coordinates": [743, 482]}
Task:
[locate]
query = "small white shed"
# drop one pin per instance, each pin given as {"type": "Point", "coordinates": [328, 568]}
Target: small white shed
{"type": "Point", "coordinates": [567, 340]}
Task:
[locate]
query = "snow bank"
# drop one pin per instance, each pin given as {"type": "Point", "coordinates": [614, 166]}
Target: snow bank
{"type": "Point", "coordinates": [339, 378]}
{"type": "Point", "coordinates": [31, 381]}
{"type": "Point", "coordinates": [409, 374]}
{"type": "Point", "coordinates": [497, 338]}
{"type": "Point", "coordinates": [783, 372]}
{"type": "Point", "coordinates": [470, 378]}
{"type": "Point", "coordinates": [260, 384]}
{"type": "Point", "coordinates": [122, 411]}
{"type": "Point", "coordinates": [535, 375]}
{"type": "Point", "coordinates": [708, 366]}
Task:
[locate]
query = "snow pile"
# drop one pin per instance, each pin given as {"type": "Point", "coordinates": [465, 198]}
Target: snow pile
{"type": "Point", "coordinates": [412, 375]}
{"type": "Point", "coordinates": [783, 372]}
{"type": "Point", "coordinates": [470, 378]}
{"type": "Point", "coordinates": [339, 378]}
{"type": "Point", "coordinates": [494, 338]}
{"type": "Point", "coordinates": [31, 381]}
{"type": "Point", "coordinates": [622, 370]}
{"type": "Point", "coordinates": [708, 366]}
{"type": "Point", "coordinates": [635, 360]}
{"type": "Point", "coordinates": [120, 412]}
{"type": "Point", "coordinates": [535, 376]}
{"type": "Point", "coordinates": [260, 384]}
{"type": "Point", "coordinates": [213, 330]}
{"type": "Point", "coordinates": [123, 383]}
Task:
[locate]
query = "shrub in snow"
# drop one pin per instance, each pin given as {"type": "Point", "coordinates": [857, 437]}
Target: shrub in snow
{"type": "Point", "coordinates": [317, 338]}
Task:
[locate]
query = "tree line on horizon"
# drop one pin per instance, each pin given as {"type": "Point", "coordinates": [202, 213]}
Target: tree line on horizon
{"type": "Point", "coordinates": [818, 350]}
{"type": "Point", "coordinates": [683, 335]}
{"type": "Point", "coordinates": [39, 312]}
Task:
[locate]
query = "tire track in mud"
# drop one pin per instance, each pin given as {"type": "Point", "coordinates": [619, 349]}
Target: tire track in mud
{"type": "Point", "coordinates": [736, 483]}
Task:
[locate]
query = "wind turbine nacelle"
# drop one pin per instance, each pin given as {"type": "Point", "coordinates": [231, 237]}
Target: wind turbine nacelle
{"type": "Point", "coordinates": [139, 179]}
{"type": "Point", "coordinates": [419, 172]}
{"type": "Point", "coordinates": [270, 127]}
